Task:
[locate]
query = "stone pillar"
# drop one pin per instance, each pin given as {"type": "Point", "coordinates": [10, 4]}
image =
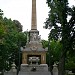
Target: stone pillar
{"type": "Point", "coordinates": [34, 23]}
{"type": "Point", "coordinates": [43, 58]}
{"type": "Point", "coordinates": [24, 58]}
{"type": "Point", "coordinates": [13, 70]}
{"type": "Point", "coordinates": [55, 69]}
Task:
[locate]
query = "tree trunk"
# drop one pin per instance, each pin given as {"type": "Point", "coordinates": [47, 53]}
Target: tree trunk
{"type": "Point", "coordinates": [51, 73]}
{"type": "Point", "coordinates": [61, 67]}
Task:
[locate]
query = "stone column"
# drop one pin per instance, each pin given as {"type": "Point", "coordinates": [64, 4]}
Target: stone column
{"type": "Point", "coordinates": [34, 23]}
{"type": "Point", "coordinates": [55, 69]}
{"type": "Point", "coordinates": [24, 58]}
{"type": "Point", "coordinates": [13, 70]}
{"type": "Point", "coordinates": [43, 58]}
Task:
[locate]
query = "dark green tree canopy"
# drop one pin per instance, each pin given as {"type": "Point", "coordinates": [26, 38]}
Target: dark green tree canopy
{"type": "Point", "coordinates": [18, 25]}
{"type": "Point", "coordinates": [61, 27]}
{"type": "Point", "coordinates": [59, 23]}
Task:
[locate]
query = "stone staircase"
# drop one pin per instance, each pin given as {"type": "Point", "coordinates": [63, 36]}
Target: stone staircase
{"type": "Point", "coordinates": [39, 70]}
{"type": "Point", "coordinates": [34, 73]}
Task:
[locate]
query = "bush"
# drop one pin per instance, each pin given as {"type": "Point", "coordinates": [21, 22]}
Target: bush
{"type": "Point", "coordinates": [70, 65]}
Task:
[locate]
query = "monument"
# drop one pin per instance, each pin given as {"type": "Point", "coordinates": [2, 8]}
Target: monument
{"type": "Point", "coordinates": [33, 54]}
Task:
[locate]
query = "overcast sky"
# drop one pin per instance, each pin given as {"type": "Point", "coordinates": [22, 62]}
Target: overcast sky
{"type": "Point", "coordinates": [21, 10]}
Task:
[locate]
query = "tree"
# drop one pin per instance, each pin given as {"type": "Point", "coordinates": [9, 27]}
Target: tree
{"type": "Point", "coordinates": [54, 52]}
{"type": "Point", "coordinates": [2, 34]}
{"type": "Point", "coordinates": [44, 43]}
{"type": "Point", "coordinates": [18, 25]}
{"type": "Point", "coordinates": [61, 28]}
{"type": "Point", "coordinates": [11, 39]}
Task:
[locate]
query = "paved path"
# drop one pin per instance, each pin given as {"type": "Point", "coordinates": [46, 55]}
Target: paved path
{"type": "Point", "coordinates": [34, 73]}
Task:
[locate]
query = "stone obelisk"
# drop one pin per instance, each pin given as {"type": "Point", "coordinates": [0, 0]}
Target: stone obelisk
{"type": "Point", "coordinates": [33, 30]}
{"type": "Point", "coordinates": [33, 54]}
{"type": "Point", "coordinates": [34, 21]}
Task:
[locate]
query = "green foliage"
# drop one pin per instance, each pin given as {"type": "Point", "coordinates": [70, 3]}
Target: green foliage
{"type": "Point", "coordinates": [11, 39]}
{"type": "Point", "coordinates": [1, 13]}
{"type": "Point", "coordinates": [18, 25]}
{"type": "Point", "coordinates": [61, 27]}
{"type": "Point", "coordinates": [54, 52]}
{"type": "Point", "coordinates": [55, 49]}
{"type": "Point", "coordinates": [70, 61]}
{"type": "Point", "coordinates": [44, 43]}
{"type": "Point", "coordinates": [70, 65]}
{"type": "Point", "coordinates": [59, 24]}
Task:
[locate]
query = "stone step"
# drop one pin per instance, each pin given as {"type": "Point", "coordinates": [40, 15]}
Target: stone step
{"type": "Point", "coordinates": [39, 68]}
{"type": "Point", "coordinates": [34, 73]}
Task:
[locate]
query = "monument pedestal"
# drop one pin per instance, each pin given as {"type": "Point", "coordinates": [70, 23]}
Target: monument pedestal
{"type": "Point", "coordinates": [33, 69]}
{"type": "Point", "coordinates": [39, 68]}
{"type": "Point", "coordinates": [33, 54]}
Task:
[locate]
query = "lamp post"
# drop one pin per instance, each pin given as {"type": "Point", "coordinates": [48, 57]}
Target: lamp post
{"type": "Point", "coordinates": [27, 36]}
{"type": "Point", "coordinates": [49, 52]}
{"type": "Point", "coordinates": [19, 56]}
{"type": "Point", "coordinates": [50, 58]}
{"type": "Point", "coordinates": [19, 45]}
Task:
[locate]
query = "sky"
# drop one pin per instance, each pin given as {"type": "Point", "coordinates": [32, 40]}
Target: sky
{"type": "Point", "coordinates": [21, 10]}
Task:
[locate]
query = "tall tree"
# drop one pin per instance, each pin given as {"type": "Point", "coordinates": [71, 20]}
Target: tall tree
{"type": "Point", "coordinates": [11, 39]}
{"type": "Point", "coordinates": [61, 28]}
{"type": "Point", "coordinates": [18, 25]}
{"type": "Point", "coordinates": [2, 34]}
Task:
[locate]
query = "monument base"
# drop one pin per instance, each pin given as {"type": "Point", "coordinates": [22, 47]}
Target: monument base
{"type": "Point", "coordinates": [34, 73]}
{"type": "Point", "coordinates": [34, 67]}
